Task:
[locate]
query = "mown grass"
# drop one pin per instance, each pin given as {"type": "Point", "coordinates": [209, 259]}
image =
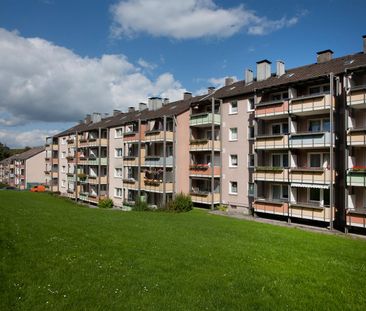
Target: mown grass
{"type": "Point", "coordinates": [56, 255]}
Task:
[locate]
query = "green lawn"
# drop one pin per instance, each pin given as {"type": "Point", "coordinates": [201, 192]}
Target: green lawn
{"type": "Point", "coordinates": [56, 255]}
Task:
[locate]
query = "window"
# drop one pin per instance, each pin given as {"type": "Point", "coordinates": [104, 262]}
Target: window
{"type": "Point", "coordinates": [118, 172]}
{"type": "Point", "coordinates": [314, 194]}
{"type": "Point", "coordinates": [233, 187]}
{"type": "Point", "coordinates": [63, 141]}
{"type": "Point", "coordinates": [63, 182]}
{"type": "Point", "coordinates": [251, 189]}
{"type": "Point", "coordinates": [326, 197]}
{"type": "Point", "coordinates": [63, 169]}
{"type": "Point", "coordinates": [326, 125]}
{"type": "Point", "coordinates": [233, 160]}
{"type": "Point", "coordinates": [119, 132]}
{"type": "Point", "coordinates": [63, 154]}
{"type": "Point", "coordinates": [251, 104]}
{"type": "Point", "coordinates": [233, 133]}
{"type": "Point", "coordinates": [280, 160]}
{"type": "Point", "coordinates": [279, 128]}
{"type": "Point", "coordinates": [314, 126]}
{"type": "Point", "coordinates": [314, 90]}
{"type": "Point", "coordinates": [250, 132]}
{"type": "Point", "coordinates": [233, 107]}
{"type": "Point", "coordinates": [118, 192]}
{"type": "Point", "coordinates": [315, 160]}
{"type": "Point", "coordinates": [251, 160]}
{"type": "Point", "coordinates": [279, 192]}
{"type": "Point", "coordinates": [118, 152]}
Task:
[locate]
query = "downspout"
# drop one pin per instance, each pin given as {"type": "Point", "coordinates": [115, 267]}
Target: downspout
{"type": "Point", "coordinates": [76, 168]}
{"type": "Point", "coordinates": [212, 150]}
{"type": "Point", "coordinates": [164, 162]}
{"type": "Point", "coordinates": [331, 155]}
{"type": "Point", "coordinates": [108, 162]}
{"type": "Point", "coordinates": [139, 161]}
{"type": "Point", "coordinates": [99, 159]}
{"type": "Point", "coordinates": [220, 137]}
{"type": "Point", "coordinates": [174, 155]}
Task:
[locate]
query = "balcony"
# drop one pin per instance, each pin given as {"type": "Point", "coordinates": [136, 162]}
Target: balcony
{"type": "Point", "coordinates": [310, 210]}
{"type": "Point", "coordinates": [71, 142]}
{"type": "Point", "coordinates": [97, 161]}
{"type": "Point", "coordinates": [54, 146]}
{"type": "Point", "coordinates": [356, 217]}
{"type": "Point", "coordinates": [94, 180]}
{"type": "Point", "coordinates": [310, 140]}
{"type": "Point", "coordinates": [271, 110]}
{"type": "Point", "coordinates": [158, 135]}
{"type": "Point", "coordinates": [204, 170]}
{"type": "Point", "coordinates": [130, 136]}
{"type": "Point", "coordinates": [130, 161]}
{"type": "Point", "coordinates": [130, 183]}
{"type": "Point", "coordinates": [204, 145]}
{"type": "Point", "coordinates": [271, 142]}
{"type": "Point", "coordinates": [269, 173]}
{"type": "Point", "coordinates": [307, 105]}
{"type": "Point", "coordinates": [93, 142]}
{"type": "Point", "coordinates": [70, 158]}
{"type": "Point", "coordinates": [356, 137]}
{"type": "Point", "coordinates": [54, 174]}
{"type": "Point", "coordinates": [158, 161]}
{"type": "Point", "coordinates": [356, 177]}
{"type": "Point", "coordinates": [271, 206]}
{"type": "Point", "coordinates": [308, 175]}
{"type": "Point", "coordinates": [155, 185]}
{"type": "Point", "coordinates": [204, 119]}
{"type": "Point", "coordinates": [357, 97]}
{"type": "Point", "coordinates": [204, 197]}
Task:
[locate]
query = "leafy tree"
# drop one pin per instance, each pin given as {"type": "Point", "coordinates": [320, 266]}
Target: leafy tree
{"type": "Point", "coordinates": [4, 151]}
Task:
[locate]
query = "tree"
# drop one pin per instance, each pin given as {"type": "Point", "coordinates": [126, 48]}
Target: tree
{"type": "Point", "coordinates": [4, 151]}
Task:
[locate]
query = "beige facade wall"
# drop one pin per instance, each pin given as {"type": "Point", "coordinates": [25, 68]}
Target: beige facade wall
{"type": "Point", "coordinates": [241, 148]}
{"type": "Point", "coordinates": [34, 169]}
{"type": "Point", "coordinates": [115, 162]}
{"type": "Point", "coordinates": [182, 161]}
{"type": "Point", "coordinates": [62, 162]}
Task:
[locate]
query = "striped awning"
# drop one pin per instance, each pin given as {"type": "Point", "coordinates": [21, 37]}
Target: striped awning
{"type": "Point", "coordinates": [310, 186]}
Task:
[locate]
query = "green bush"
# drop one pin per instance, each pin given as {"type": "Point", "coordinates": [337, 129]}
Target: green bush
{"type": "Point", "coordinates": [181, 203]}
{"type": "Point", "coordinates": [105, 203]}
{"type": "Point", "coordinates": [222, 208]}
{"type": "Point", "coordinates": [140, 206]}
{"type": "Point", "coordinates": [3, 185]}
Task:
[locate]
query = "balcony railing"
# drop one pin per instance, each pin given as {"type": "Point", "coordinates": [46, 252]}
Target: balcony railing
{"type": "Point", "coordinates": [155, 185]}
{"type": "Point", "coordinates": [131, 161]}
{"type": "Point", "coordinates": [310, 210]}
{"type": "Point", "coordinates": [204, 170]}
{"type": "Point", "coordinates": [268, 142]}
{"type": "Point", "coordinates": [356, 177]}
{"type": "Point", "coordinates": [269, 173]}
{"type": "Point", "coordinates": [357, 97]}
{"type": "Point", "coordinates": [272, 109]}
{"type": "Point", "coordinates": [204, 119]}
{"type": "Point", "coordinates": [310, 175]}
{"type": "Point", "coordinates": [132, 136]}
{"type": "Point", "coordinates": [204, 145]}
{"type": "Point", "coordinates": [356, 137]}
{"type": "Point", "coordinates": [204, 197]}
{"type": "Point", "coordinates": [271, 206]}
{"type": "Point", "coordinates": [356, 217]}
{"type": "Point", "coordinates": [310, 140]}
{"type": "Point", "coordinates": [158, 161]}
{"type": "Point", "coordinates": [158, 135]}
{"type": "Point", "coordinates": [318, 103]}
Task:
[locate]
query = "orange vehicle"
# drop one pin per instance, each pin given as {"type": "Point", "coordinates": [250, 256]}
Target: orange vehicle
{"type": "Point", "coordinates": [39, 188]}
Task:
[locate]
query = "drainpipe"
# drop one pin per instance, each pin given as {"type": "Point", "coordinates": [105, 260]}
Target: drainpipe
{"type": "Point", "coordinates": [76, 164]}
{"type": "Point", "coordinates": [331, 155]}
{"type": "Point", "coordinates": [100, 159]}
{"type": "Point", "coordinates": [220, 137]}
{"type": "Point", "coordinates": [212, 151]}
{"type": "Point", "coordinates": [289, 155]}
{"type": "Point", "coordinates": [174, 155]}
{"type": "Point", "coordinates": [139, 161]}
{"type": "Point", "coordinates": [164, 162]}
{"type": "Point", "coordinates": [108, 157]}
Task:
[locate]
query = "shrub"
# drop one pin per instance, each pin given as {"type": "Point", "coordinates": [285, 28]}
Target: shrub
{"type": "Point", "coordinates": [222, 208]}
{"type": "Point", "coordinates": [140, 206]}
{"type": "Point", "coordinates": [181, 203]}
{"type": "Point", "coordinates": [105, 203]}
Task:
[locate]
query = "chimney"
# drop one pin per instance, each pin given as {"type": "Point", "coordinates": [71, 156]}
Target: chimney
{"type": "Point", "coordinates": [229, 81]}
{"type": "Point", "coordinates": [165, 101]}
{"type": "Point", "coordinates": [142, 106]}
{"type": "Point", "coordinates": [324, 56]}
{"type": "Point", "coordinates": [155, 103]}
{"type": "Point", "coordinates": [263, 69]}
{"type": "Point", "coordinates": [96, 117]}
{"type": "Point", "coordinates": [364, 44]}
{"type": "Point", "coordinates": [131, 109]}
{"type": "Point", "coordinates": [87, 119]}
{"type": "Point", "coordinates": [249, 76]}
{"type": "Point", "coordinates": [187, 95]}
{"type": "Point", "coordinates": [116, 111]}
{"type": "Point", "coordinates": [280, 68]}
{"type": "Point", "coordinates": [210, 89]}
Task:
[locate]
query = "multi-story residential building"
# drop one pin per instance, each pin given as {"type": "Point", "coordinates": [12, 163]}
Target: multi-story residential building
{"type": "Point", "coordinates": [51, 164]}
{"type": "Point", "coordinates": [24, 170]}
{"type": "Point", "coordinates": [274, 144]}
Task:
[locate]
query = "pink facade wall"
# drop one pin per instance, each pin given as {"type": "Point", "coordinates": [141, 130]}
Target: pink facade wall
{"type": "Point", "coordinates": [62, 177]}
{"type": "Point", "coordinates": [182, 137]}
{"type": "Point", "coordinates": [241, 148]}
{"type": "Point", "coordinates": [34, 168]}
{"type": "Point", "coordinates": [115, 162]}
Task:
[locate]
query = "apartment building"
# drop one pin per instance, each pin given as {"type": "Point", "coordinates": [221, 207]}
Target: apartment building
{"type": "Point", "coordinates": [24, 170]}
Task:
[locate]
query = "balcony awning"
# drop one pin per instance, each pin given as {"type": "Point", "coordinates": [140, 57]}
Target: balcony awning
{"type": "Point", "coordinates": [310, 186]}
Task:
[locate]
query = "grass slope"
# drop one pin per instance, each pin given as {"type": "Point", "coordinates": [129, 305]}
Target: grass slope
{"type": "Point", "coordinates": [56, 255]}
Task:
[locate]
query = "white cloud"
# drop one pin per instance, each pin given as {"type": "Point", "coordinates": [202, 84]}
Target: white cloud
{"type": "Point", "coordinates": [219, 82]}
{"type": "Point", "coordinates": [189, 19]}
{"type": "Point", "coordinates": [40, 81]}
{"type": "Point", "coordinates": [14, 139]}
{"type": "Point", "coordinates": [146, 65]}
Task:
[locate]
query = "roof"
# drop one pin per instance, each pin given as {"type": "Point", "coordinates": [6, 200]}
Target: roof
{"type": "Point", "coordinates": [291, 76]}
{"type": "Point", "coordinates": [29, 153]}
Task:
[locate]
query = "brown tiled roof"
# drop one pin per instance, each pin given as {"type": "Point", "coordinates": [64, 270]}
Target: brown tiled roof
{"type": "Point", "coordinates": [295, 75]}
{"type": "Point", "coordinates": [29, 153]}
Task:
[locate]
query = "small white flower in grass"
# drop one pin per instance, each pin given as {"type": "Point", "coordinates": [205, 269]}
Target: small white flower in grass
{"type": "Point", "coordinates": [19, 297]}
{"type": "Point", "coordinates": [65, 296]}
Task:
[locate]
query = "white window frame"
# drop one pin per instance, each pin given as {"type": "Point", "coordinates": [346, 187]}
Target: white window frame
{"type": "Point", "coordinates": [231, 187]}
{"type": "Point", "coordinates": [115, 172]}
{"type": "Point", "coordinates": [116, 152]}
{"type": "Point", "coordinates": [231, 134]}
{"type": "Point", "coordinates": [231, 110]}
{"type": "Point", "coordinates": [63, 154]}
{"type": "Point", "coordinates": [63, 141]}
{"type": "Point", "coordinates": [249, 127]}
{"type": "Point", "coordinates": [63, 182]}
{"type": "Point", "coordinates": [251, 155]}
{"type": "Point", "coordinates": [116, 194]}
{"type": "Point", "coordinates": [249, 109]}
{"type": "Point", "coordinates": [281, 158]}
{"type": "Point", "coordinates": [118, 132]}
{"type": "Point", "coordinates": [249, 194]}
{"type": "Point", "coordinates": [321, 88]}
{"type": "Point", "coordinates": [281, 128]}
{"type": "Point", "coordinates": [231, 160]}
{"type": "Point", "coordinates": [322, 157]}
{"type": "Point", "coordinates": [281, 192]}
{"type": "Point", "coordinates": [321, 196]}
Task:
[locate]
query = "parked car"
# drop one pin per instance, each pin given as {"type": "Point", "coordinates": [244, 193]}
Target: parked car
{"type": "Point", "coordinates": [9, 188]}
{"type": "Point", "coordinates": [39, 188]}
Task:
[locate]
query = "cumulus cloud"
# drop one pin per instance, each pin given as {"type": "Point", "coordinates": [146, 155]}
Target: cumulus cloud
{"type": "Point", "coordinates": [14, 139]}
{"type": "Point", "coordinates": [146, 65]}
{"type": "Point", "coordinates": [189, 19]}
{"type": "Point", "coordinates": [40, 81]}
{"type": "Point", "coordinates": [219, 82]}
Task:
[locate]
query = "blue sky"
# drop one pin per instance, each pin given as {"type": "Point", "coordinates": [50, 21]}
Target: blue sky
{"type": "Point", "coordinates": [93, 55]}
